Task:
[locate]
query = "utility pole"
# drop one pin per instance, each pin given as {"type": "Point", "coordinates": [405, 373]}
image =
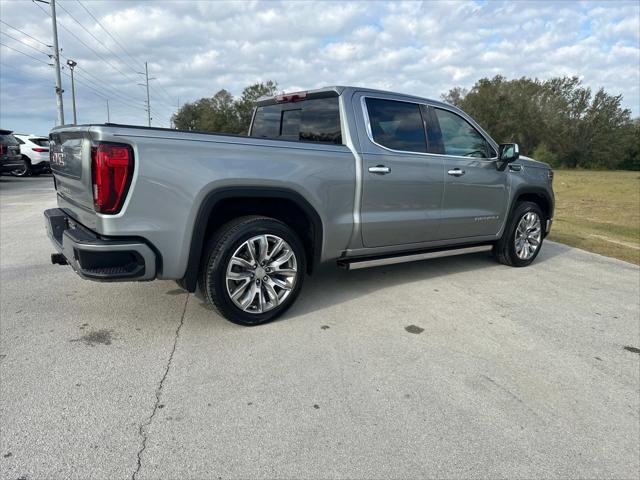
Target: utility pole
{"type": "Point", "coordinates": [56, 57]}
{"type": "Point", "coordinates": [108, 119]}
{"type": "Point", "coordinates": [146, 76]}
{"type": "Point", "coordinates": [72, 64]}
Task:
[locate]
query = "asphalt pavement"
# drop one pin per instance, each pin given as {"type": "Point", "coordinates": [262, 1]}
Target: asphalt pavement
{"type": "Point", "coordinates": [456, 367]}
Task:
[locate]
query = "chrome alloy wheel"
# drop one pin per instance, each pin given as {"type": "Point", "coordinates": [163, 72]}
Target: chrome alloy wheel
{"type": "Point", "coordinates": [261, 273]}
{"type": "Point", "coordinates": [528, 235]}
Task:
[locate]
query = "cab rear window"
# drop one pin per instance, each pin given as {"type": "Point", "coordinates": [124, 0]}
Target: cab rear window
{"type": "Point", "coordinates": [313, 120]}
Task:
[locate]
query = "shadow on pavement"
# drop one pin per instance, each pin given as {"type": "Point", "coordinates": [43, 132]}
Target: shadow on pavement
{"type": "Point", "coordinates": [330, 286]}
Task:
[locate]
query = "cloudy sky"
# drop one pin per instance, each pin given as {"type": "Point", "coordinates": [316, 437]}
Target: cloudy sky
{"type": "Point", "coordinates": [196, 48]}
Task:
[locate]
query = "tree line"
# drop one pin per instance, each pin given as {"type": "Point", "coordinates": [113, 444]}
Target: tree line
{"type": "Point", "coordinates": [558, 121]}
{"type": "Point", "coordinates": [223, 113]}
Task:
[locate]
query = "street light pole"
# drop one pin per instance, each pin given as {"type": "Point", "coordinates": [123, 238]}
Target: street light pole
{"type": "Point", "coordinates": [108, 119]}
{"type": "Point", "coordinates": [56, 58]}
{"type": "Point", "coordinates": [72, 65]}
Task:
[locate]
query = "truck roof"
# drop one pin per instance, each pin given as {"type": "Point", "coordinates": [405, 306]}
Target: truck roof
{"type": "Point", "coordinates": [341, 89]}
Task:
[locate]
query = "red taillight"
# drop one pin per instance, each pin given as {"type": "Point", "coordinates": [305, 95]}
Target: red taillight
{"type": "Point", "coordinates": [1, 149]}
{"type": "Point", "coordinates": [291, 97]}
{"type": "Point", "coordinates": [112, 168]}
{"type": "Point", "coordinates": [40, 150]}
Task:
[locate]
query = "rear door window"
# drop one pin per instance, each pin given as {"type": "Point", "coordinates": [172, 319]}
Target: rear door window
{"type": "Point", "coordinates": [313, 120]}
{"type": "Point", "coordinates": [397, 125]}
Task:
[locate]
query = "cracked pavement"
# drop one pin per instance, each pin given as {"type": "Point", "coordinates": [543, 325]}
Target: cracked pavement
{"type": "Point", "coordinates": [456, 367]}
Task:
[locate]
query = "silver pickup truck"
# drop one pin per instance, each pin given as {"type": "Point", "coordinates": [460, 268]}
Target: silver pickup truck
{"type": "Point", "coordinates": [347, 175]}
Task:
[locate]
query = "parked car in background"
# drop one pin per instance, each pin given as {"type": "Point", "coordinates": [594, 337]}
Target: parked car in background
{"type": "Point", "coordinates": [35, 155]}
{"type": "Point", "coordinates": [10, 158]}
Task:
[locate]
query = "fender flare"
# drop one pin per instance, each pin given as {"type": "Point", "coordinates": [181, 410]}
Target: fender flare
{"type": "Point", "coordinates": [531, 190]}
{"type": "Point", "coordinates": [190, 279]}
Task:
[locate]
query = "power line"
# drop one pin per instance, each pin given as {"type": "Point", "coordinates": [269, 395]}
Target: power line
{"type": "Point", "coordinates": [112, 91]}
{"type": "Point", "coordinates": [93, 36]}
{"type": "Point", "coordinates": [87, 46]}
{"type": "Point", "coordinates": [135, 62]}
{"type": "Point", "coordinates": [25, 43]}
{"type": "Point", "coordinates": [25, 54]}
{"type": "Point", "coordinates": [121, 95]}
{"type": "Point", "coordinates": [102, 95]}
{"type": "Point", "coordinates": [126, 104]}
{"type": "Point", "coordinates": [107, 32]}
{"type": "Point", "coordinates": [133, 67]}
{"type": "Point", "coordinates": [169, 106]}
{"type": "Point", "coordinates": [26, 34]}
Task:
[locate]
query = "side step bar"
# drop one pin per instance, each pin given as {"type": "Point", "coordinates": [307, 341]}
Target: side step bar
{"type": "Point", "coordinates": [356, 263]}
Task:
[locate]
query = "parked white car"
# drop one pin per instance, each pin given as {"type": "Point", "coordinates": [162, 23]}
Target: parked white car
{"type": "Point", "coordinates": [35, 153]}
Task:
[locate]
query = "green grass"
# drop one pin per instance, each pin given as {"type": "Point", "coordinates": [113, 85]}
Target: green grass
{"type": "Point", "coordinates": [598, 211]}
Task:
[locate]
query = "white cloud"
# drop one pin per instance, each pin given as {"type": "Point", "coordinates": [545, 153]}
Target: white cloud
{"type": "Point", "coordinates": [197, 48]}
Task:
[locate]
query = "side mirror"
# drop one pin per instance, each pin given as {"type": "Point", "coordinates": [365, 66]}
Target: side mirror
{"type": "Point", "coordinates": [508, 152]}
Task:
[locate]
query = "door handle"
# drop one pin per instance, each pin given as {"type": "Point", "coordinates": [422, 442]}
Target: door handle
{"type": "Point", "coordinates": [380, 170]}
{"type": "Point", "coordinates": [456, 172]}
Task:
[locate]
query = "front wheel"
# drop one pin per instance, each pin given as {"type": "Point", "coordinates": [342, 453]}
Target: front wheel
{"type": "Point", "coordinates": [252, 269]}
{"type": "Point", "coordinates": [523, 236]}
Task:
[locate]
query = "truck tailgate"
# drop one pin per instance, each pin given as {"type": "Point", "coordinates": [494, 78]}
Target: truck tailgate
{"type": "Point", "coordinates": [71, 168]}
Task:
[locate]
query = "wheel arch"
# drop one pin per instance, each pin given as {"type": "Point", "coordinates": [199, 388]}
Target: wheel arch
{"type": "Point", "coordinates": [537, 195]}
{"type": "Point", "coordinates": [222, 205]}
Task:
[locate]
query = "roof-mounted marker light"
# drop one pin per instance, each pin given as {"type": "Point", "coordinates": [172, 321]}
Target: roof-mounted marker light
{"type": "Point", "coordinates": [291, 97]}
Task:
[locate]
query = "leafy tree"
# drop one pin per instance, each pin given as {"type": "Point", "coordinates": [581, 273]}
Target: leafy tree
{"type": "Point", "coordinates": [544, 154]}
{"type": "Point", "coordinates": [222, 113]}
{"type": "Point", "coordinates": [557, 120]}
{"type": "Point", "coordinates": [244, 106]}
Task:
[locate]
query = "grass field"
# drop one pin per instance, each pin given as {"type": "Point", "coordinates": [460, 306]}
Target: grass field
{"type": "Point", "coordinates": [598, 211]}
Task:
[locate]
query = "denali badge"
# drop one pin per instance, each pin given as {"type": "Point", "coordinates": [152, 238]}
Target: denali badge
{"type": "Point", "coordinates": [486, 218]}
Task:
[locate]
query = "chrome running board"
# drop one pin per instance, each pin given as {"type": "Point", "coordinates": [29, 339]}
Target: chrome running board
{"type": "Point", "coordinates": [358, 263]}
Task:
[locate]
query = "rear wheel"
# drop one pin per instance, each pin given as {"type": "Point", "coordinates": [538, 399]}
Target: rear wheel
{"type": "Point", "coordinates": [252, 269]}
{"type": "Point", "coordinates": [23, 171]}
{"type": "Point", "coordinates": [523, 236]}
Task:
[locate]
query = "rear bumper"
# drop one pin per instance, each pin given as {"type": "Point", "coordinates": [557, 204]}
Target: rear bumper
{"type": "Point", "coordinates": [98, 258]}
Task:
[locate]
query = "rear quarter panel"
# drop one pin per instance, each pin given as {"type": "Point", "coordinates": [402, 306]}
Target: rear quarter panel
{"type": "Point", "coordinates": [175, 171]}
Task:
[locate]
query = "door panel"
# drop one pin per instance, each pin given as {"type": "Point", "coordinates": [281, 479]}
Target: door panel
{"type": "Point", "coordinates": [402, 206]}
{"type": "Point", "coordinates": [402, 185]}
{"type": "Point", "coordinates": [475, 191]}
{"type": "Point", "coordinates": [475, 202]}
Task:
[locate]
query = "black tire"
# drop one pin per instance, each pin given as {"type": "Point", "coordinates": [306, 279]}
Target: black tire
{"type": "Point", "coordinates": [218, 252]}
{"type": "Point", "coordinates": [26, 171]}
{"type": "Point", "coordinates": [504, 250]}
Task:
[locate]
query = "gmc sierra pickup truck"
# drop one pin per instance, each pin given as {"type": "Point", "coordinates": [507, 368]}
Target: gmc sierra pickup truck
{"type": "Point", "coordinates": [352, 176]}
